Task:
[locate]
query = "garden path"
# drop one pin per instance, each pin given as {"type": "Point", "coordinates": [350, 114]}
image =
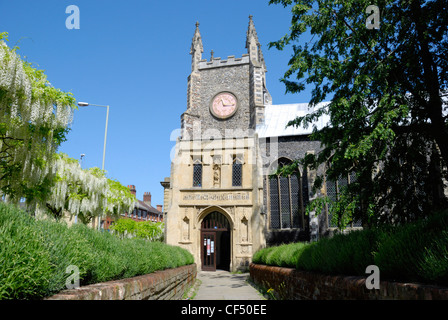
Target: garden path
{"type": "Point", "coordinates": [223, 285]}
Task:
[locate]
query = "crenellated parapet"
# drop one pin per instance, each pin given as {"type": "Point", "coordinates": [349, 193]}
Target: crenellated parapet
{"type": "Point", "coordinates": [217, 62]}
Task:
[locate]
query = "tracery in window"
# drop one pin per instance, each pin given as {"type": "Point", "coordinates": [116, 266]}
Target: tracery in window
{"type": "Point", "coordinates": [285, 200]}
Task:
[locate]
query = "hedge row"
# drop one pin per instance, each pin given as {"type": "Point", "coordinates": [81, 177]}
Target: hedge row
{"type": "Point", "coordinates": [413, 252]}
{"type": "Point", "coordinates": [34, 255]}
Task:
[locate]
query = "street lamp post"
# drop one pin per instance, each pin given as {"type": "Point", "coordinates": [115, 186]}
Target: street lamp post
{"type": "Point", "coordinates": [85, 104]}
{"type": "Point", "coordinates": [81, 157]}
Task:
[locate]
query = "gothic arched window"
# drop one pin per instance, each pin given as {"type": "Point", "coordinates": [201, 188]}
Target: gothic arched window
{"type": "Point", "coordinates": [285, 202]}
{"type": "Point", "coordinates": [237, 172]}
{"type": "Point", "coordinates": [334, 189]}
{"type": "Point", "coordinates": [197, 173]}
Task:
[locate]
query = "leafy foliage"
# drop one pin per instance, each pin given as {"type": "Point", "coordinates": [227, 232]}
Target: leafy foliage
{"type": "Point", "coordinates": [85, 193]}
{"type": "Point", "coordinates": [148, 230]}
{"type": "Point", "coordinates": [79, 191]}
{"type": "Point", "coordinates": [399, 252]}
{"type": "Point", "coordinates": [388, 109]}
{"type": "Point", "coordinates": [408, 255]}
{"type": "Point", "coordinates": [34, 255]}
{"type": "Point", "coordinates": [34, 119]}
{"type": "Point", "coordinates": [119, 198]}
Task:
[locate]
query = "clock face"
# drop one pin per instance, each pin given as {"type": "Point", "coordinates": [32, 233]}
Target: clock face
{"type": "Point", "coordinates": [223, 105]}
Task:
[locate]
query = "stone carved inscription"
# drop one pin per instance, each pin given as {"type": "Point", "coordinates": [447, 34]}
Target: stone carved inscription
{"type": "Point", "coordinates": [228, 196]}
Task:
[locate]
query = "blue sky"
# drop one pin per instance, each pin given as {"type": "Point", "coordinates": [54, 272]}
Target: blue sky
{"type": "Point", "coordinates": [134, 56]}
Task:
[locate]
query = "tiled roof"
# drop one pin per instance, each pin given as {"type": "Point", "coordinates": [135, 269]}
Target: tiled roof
{"type": "Point", "coordinates": [145, 206]}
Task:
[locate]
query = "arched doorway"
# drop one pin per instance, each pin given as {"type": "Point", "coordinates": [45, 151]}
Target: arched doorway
{"type": "Point", "coordinates": [215, 242]}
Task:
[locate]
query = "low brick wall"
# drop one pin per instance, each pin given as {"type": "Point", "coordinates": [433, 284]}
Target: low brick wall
{"type": "Point", "coordinates": [292, 284]}
{"type": "Point", "coordinates": [168, 284]}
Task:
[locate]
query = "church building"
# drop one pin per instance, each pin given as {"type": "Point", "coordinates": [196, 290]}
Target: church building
{"type": "Point", "coordinates": [219, 202]}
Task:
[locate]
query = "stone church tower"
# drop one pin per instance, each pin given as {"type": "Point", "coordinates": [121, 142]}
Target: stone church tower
{"type": "Point", "coordinates": [221, 202]}
{"type": "Point", "coordinates": [214, 196]}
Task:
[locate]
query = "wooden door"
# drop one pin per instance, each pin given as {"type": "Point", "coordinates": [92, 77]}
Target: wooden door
{"type": "Point", "coordinates": [208, 252]}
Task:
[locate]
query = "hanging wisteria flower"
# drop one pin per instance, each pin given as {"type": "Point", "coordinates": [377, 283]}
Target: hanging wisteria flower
{"type": "Point", "coordinates": [85, 193]}
{"type": "Point", "coordinates": [34, 118]}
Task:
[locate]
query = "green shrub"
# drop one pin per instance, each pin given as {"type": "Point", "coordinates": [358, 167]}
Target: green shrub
{"type": "Point", "coordinates": [343, 254]}
{"type": "Point", "coordinates": [434, 264]}
{"type": "Point", "coordinates": [66, 247]}
{"type": "Point", "coordinates": [34, 255]}
{"type": "Point", "coordinates": [25, 263]}
{"type": "Point", "coordinates": [148, 230]}
{"type": "Point", "coordinates": [285, 255]}
{"type": "Point", "coordinates": [260, 255]}
{"type": "Point", "coordinates": [416, 251]}
{"type": "Point", "coordinates": [109, 262]}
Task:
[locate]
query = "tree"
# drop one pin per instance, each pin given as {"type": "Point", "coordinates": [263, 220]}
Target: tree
{"type": "Point", "coordinates": [82, 192]}
{"type": "Point", "coordinates": [124, 227]}
{"type": "Point", "coordinates": [152, 231]}
{"type": "Point", "coordinates": [34, 119]}
{"type": "Point", "coordinates": [33, 122]}
{"type": "Point", "coordinates": [388, 110]}
{"type": "Point", "coordinates": [86, 193]}
{"type": "Point", "coordinates": [119, 198]}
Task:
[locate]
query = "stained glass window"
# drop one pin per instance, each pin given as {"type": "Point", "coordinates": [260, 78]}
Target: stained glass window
{"type": "Point", "coordinates": [334, 188]}
{"type": "Point", "coordinates": [274, 199]}
{"type": "Point", "coordinates": [284, 196]}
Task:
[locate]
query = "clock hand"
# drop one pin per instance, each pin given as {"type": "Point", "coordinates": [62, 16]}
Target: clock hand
{"type": "Point", "coordinates": [225, 105]}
